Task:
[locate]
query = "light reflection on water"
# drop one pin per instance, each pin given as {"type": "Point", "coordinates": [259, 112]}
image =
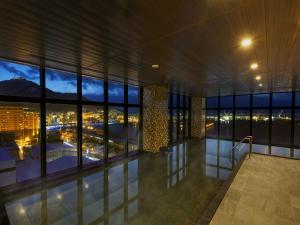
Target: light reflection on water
{"type": "Point", "coordinates": [172, 188]}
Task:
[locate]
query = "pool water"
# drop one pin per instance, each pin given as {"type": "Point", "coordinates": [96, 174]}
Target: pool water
{"type": "Point", "coordinates": [170, 188]}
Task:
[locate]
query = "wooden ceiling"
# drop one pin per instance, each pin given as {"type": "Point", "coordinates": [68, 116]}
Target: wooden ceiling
{"type": "Point", "coordinates": [195, 42]}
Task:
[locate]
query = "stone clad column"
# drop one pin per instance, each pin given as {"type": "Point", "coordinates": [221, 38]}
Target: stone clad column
{"type": "Point", "coordinates": [155, 118]}
{"type": "Point", "coordinates": [197, 118]}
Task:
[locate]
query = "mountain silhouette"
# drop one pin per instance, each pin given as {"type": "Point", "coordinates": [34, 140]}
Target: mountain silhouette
{"type": "Point", "coordinates": [26, 88]}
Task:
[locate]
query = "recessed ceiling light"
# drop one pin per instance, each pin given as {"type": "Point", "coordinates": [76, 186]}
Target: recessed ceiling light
{"type": "Point", "coordinates": [254, 66]}
{"type": "Point", "coordinates": [246, 42]}
{"type": "Point", "coordinates": [258, 78]}
{"type": "Point", "coordinates": [155, 66]}
{"type": "Point", "coordinates": [260, 84]}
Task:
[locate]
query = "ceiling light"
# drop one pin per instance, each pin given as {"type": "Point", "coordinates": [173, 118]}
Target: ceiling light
{"type": "Point", "coordinates": [258, 78]}
{"type": "Point", "coordinates": [254, 66]}
{"type": "Point", "coordinates": [260, 84]}
{"type": "Point", "coordinates": [155, 66]}
{"type": "Point", "coordinates": [246, 42]}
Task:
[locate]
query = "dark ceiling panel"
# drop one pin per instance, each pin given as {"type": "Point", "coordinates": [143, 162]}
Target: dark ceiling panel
{"type": "Point", "coordinates": [195, 42]}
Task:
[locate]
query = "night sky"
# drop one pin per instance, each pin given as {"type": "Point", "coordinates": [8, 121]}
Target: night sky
{"type": "Point", "coordinates": [64, 82]}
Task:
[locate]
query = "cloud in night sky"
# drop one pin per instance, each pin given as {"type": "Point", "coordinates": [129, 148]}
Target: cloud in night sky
{"type": "Point", "coordinates": [27, 72]}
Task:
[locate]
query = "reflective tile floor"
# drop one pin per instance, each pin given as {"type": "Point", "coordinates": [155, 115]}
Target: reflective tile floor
{"type": "Point", "coordinates": [170, 188]}
{"type": "Point", "coordinates": [265, 191]}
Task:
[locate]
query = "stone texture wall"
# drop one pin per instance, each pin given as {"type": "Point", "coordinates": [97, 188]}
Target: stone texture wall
{"type": "Point", "coordinates": [155, 118]}
{"type": "Point", "coordinates": [197, 118]}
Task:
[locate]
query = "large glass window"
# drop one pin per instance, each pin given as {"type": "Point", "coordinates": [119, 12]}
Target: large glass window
{"type": "Point", "coordinates": [92, 89]}
{"type": "Point", "coordinates": [44, 122]}
{"type": "Point", "coordinates": [116, 131]}
{"type": "Point", "coordinates": [19, 79]}
{"type": "Point", "coordinates": [92, 133]}
{"type": "Point", "coordinates": [19, 142]}
{"type": "Point", "coordinates": [61, 149]}
{"type": "Point", "coordinates": [61, 85]}
{"type": "Point", "coordinates": [260, 125]}
{"type": "Point", "coordinates": [268, 119]}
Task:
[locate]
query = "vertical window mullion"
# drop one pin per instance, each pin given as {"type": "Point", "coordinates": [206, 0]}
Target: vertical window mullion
{"type": "Point", "coordinates": [106, 120]}
{"type": "Point", "coordinates": [43, 135]}
{"type": "Point", "coordinates": [79, 119]}
{"type": "Point", "coordinates": [126, 117]}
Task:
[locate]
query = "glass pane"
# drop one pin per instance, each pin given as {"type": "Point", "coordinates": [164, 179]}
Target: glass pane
{"type": "Point", "coordinates": [61, 85]}
{"type": "Point", "coordinates": [282, 99]}
{"type": "Point", "coordinates": [297, 128]}
{"type": "Point", "coordinates": [211, 123]}
{"type": "Point", "coordinates": [226, 124]}
{"type": "Point", "coordinates": [92, 133]}
{"type": "Point", "coordinates": [115, 92]}
{"type": "Point", "coordinates": [92, 89]}
{"type": "Point", "coordinates": [281, 126]}
{"type": "Point", "coordinates": [242, 101]}
{"type": "Point", "coordinates": [19, 79]}
{"type": "Point", "coordinates": [175, 100]}
{"type": "Point", "coordinates": [261, 100]}
{"type": "Point", "coordinates": [297, 98]}
{"type": "Point", "coordinates": [61, 148]}
{"type": "Point", "coordinates": [174, 132]}
{"type": "Point", "coordinates": [116, 131]}
{"type": "Point", "coordinates": [57, 199]}
{"type": "Point", "coordinates": [186, 122]}
{"type": "Point", "coordinates": [212, 102]}
{"type": "Point", "coordinates": [187, 102]}
{"type": "Point", "coordinates": [181, 122]}
{"type": "Point", "coordinates": [19, 142]}
{"type": "Point", "coordinates": [116, 187]}
{"type": "Point", "coordinates": [133, 129]}
{"type": "Point", "coordinates": [260, 125]}
{"type": "Point", "coordinates": [242, 123]}
{"type": "Point", "coordinates": [226, 101]}
{"type": "Point", "coordinates": [181, 100]}
{"type": "Point", "coordinates": [93, 197]}
{"type": "Point", "coordinates": [133, 95]}
{"type": "Point", "coordinates": [280, 151]}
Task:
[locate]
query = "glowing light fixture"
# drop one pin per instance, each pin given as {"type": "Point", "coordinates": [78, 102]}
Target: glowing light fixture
{"type": "Point", "coordinates": [246, 42]}
{"type": "Point", "coordinates": [260, 84]}
{"type": "Point", "coordinates": [258, 78]}
{"type": "Point", "coordinates": [254, 66]}
{"type": "Point", "coordinates": [155, 66]}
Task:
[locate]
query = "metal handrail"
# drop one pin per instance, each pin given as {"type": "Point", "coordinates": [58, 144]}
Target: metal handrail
{"type": "Point", "coordinates": [250, 141]}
